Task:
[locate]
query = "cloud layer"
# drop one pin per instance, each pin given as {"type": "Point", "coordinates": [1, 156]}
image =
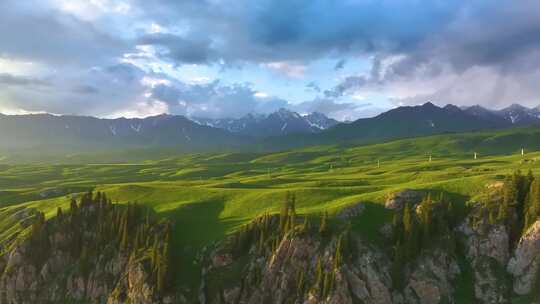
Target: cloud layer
{"type": "Point", "coordinates": [216, 58]}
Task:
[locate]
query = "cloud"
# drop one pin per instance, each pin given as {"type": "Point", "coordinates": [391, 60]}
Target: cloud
{"type": "Point", "coordinates": [329, 106]}
{"type": "Point", "coordinates": [350, 82]}
{"type": "Point", "coordinates": [312, 85]}
{"type": "Point", "coordinates": [99, 91]}
{"type": "Point", "coordinates": [215, 100]}
{"type": "Point", "coordinates": [181, 50]}
{"type": "Point", "coordinates": [481, 56]}
{"type": "Point", "coordinates": [13, 80]}
{"type": "Point", "coordinates": [298, 31]}
{"type": "Point", "coordinates": [290, 69]}
{"type": "Point", "coordinates": [340, 64]}
{"type": "Point", "coordinates": [94, 56]}
{"type": "Point", "coordinates": [33, 31]}
{"type": "Point", "coordinates": [85, 89]}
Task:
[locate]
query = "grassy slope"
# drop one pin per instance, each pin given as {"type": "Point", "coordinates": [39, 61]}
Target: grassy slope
{"type": "Point", "coordinates": [211, 195]}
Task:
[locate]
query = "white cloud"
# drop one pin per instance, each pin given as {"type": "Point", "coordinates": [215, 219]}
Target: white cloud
{"type": "Point", "coordinates": [261, 95]}
{"type": "Point", "coordinates": [152, 82]}
{"type": "Point", "coordinates": [291, 69]}
{"type": "Point", "coordinates": [199, 80]}
{"type": "Point", "coordinates": [20, 67]}
{"type": "Point", "coordinates": [90, 10]}
{"type": "Point", "coordinates": [17, 111]}
{"type": "Point", "coordinates": [142, 109]}
{"type": "Point", "coordinates": [155, 28]}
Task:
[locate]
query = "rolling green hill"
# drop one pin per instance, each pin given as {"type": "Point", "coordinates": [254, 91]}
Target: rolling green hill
{"type": "Point", "coordinates": [212, 195]}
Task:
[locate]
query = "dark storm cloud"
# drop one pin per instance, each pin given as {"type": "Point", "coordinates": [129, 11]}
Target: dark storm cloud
{"type": "Point", "coordinates": [196, 49]}
{"type": "Point", "coordinates": [445, 44]}
{"type": "Point", "coordinates": [273, 30]}
{"type": "Point", "coordinates": [497, 35]}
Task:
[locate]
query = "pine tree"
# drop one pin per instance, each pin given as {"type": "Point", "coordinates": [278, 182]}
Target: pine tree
{"type": "Point", "coordinates": [261, 241]}
{"type": "Point", "coordinates": [410, 230]}
{"type": "Point", "coordinates": [407, 219]}
{"type": "Point", "coordinates": [323, 228]}
{"type": "Point", "coordinates": [300, 285]}
{"type": "Point", "coordinates": [292, 211]}
{"type": "Point", "coordinates": [318, 272]}
{"type": "Point", "coordinates": [154, 256]}
{"type": "Point", "coordinates": [397, 227]}
{"type": "Point", "coordinates": [328, 284]}
{"type": "Point", "coordinates": [306, 225]}
{"type": "Point", "coordinates": [137, 241]}
{"type": "Point", "coordinates": [124, 241]}
{"type": "Point", "coordinates": [338, 256]}
{"type": "Point", "coordinates": [59, 214]}
{"type": "Point", "coordinates": [533, 204]}
{"type": "Point", "coordinates": [427, 218]}
{"type": "Point", "coordinates": [284, 213]}
{"type": "Point", "coordinates": [73, 206]}
{"type": "Point", "coordinates": [509, 197]}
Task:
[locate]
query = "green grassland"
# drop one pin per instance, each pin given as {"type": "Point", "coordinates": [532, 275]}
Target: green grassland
{"type": "Point", "coordinates": [210, 195]}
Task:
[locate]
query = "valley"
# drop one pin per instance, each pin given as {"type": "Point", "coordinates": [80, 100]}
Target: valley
{"type": "Point", "coordinates": [211, 196]}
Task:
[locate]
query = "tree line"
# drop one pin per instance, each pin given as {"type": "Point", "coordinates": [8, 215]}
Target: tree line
{"type": "Point", "coordinates": [93, 226]}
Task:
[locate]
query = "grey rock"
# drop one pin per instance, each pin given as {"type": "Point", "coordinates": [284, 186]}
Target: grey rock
{"type": "Point", "coordinates": [397, 201]}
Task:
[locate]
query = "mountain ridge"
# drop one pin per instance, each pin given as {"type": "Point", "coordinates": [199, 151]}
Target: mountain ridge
{"type": "Point", "coordinates": [52, 134]}
{"type": "Point", "coordinates": [278, 123]}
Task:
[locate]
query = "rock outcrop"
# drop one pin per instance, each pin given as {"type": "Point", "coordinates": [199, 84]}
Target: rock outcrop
{"type": "Point", "coordinates": [74, 258]}
{"type": "Point", "coordinates": [431, 278]}
{"type": "Point", "coordinates": [397, 201]}
{"type": "Point", "coordinates": [351, 211]}
{"type": "Point", "coordinates": [524, 264]}
{"type": "Point", "coordinates": [306, 267]}
{"type": "Point", "coordinates": [487, 250]}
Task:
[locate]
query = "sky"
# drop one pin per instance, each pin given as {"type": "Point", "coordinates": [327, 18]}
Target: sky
{"type": "Point", "coordinates": [213, 58]}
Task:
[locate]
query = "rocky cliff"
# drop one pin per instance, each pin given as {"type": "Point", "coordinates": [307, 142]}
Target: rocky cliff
{"type": "Point", "coordinates": [306, 265]}
{"type": "Point", "coordinates": [87, 255]}
{"type": "Point", "coordinates": [98, 252]}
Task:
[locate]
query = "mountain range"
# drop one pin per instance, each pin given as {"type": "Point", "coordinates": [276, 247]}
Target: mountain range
{"type": "Point", "coordinates": [412, 121]}
{"type": "Point", "coordinates": [281, 122]}
{"type": "Point", "coordinates": [45, 133]}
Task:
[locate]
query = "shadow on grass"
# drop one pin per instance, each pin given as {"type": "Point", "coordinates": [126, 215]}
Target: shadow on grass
{"type": "Point", "coordinates": [375, 215]}
{"type": "Point", "coordinates": [368, 224]}
{"type": "Point", "coordinates": [196, 226]}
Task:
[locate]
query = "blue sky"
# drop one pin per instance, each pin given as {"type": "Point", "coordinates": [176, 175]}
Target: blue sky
{"type": "Point", "coordinates": [216, 58]}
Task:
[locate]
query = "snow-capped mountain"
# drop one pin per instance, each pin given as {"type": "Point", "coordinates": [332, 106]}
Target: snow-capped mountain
{"type": "Point", "coordinates": [80, 133]}
{"type": "Point", "coordinates": [44, 133]}
{"type": "Point", "coordinates": [281, 122]}
{"type": "Point", "coordinates": [513, 115]}
{"type": "Point", "coordinates": [520, 115]}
